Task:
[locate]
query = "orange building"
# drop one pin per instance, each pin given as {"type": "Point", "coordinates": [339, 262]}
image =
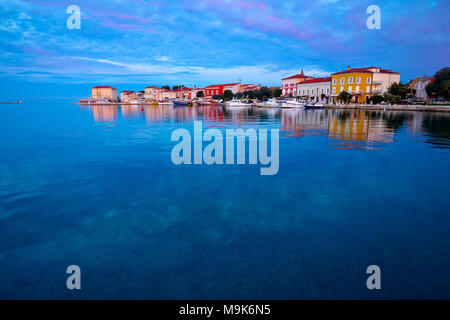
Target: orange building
{"type": "Point", "coordinates": [104, 92]}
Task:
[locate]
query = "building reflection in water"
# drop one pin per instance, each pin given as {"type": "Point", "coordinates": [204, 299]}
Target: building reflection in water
{"type": "Point", "coordinates": [130, 112]}
{"type": "Point", "coordinates": [105, 113]}
{"type": "Point", "coordinates": [345, 128]}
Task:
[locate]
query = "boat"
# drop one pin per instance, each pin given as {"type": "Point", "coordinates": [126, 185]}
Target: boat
{"type": "Point", "coordinates": [182, 103]}
{"type": "Point", "coordinates": [293, 104]}
{"type": "Point", "coordinates": [314, 105]}
{"type": "Point", "coordinates": [272, 103]}
{"type": "Point", "coordinates": [236, 103]}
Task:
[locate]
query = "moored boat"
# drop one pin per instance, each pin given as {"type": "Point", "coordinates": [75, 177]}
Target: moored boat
{"type": "Point", "coordinates": [182, 103]}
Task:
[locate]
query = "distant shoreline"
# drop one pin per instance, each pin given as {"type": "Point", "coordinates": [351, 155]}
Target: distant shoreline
{"type": "Point", "coordinates": [17, 102]}
{"type": "Point", "coordinates": [422, 108]}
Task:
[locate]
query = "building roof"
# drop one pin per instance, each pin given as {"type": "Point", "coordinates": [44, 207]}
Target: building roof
{"type": "Point", "coordinates": [365, 70]}
{"type": "Point", "coordinates": [222, 85]}
{"type": "Point", "coordinates": [151, 87]}
{"type": "Point", "coordinates": [354, 70]}
{"type": "Point", "coordinates": [297, 76]}
{"type": "Point", "coordinates": [128, 91]}
{"type": "Point", "coordinates": [103, 87]}
{"type": "Point", "coordinates": [317, 80]}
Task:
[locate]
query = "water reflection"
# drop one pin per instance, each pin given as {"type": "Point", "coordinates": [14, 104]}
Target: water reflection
{"type": "Point", "coordinates": [346, 129]}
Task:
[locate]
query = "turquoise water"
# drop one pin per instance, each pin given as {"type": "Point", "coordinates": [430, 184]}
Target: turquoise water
{"type": "Point", "coordinates": [96, 187]}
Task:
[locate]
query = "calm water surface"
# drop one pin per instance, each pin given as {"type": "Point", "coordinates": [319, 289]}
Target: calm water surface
{"type": "Point", "coordinates": [96, 187]}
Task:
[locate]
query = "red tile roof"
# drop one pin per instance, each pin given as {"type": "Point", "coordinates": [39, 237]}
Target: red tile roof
{"type": "Point", "coordinates": [298, 76]}
{"type": "Point", "coordinates": [365, 70]}
{"type": "Point", "coordinates": [103, 87]}
{"type": "Point", "coordinates": [222, 85]}
{"type": "Point", "coordinates": [354, 70]}
{"type": "Point", "coordinates": [317, 80]}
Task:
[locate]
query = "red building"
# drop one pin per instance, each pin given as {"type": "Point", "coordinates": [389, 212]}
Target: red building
{"type": "Point", "coordinates": [221, 88]}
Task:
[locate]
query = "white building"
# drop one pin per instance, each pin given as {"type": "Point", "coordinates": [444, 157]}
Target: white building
{"type": "Point", "coordinates": [383, 79]}
{"type": "Point", "coordinates": [317, 89]}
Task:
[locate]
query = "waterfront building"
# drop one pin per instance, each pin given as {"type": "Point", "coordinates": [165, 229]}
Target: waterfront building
{"type": "Point", "coordinates": [419, 85]}
{"type": "Point", "coordinates": [151, 93]}
{"type": "Point", "coordinates": [317, 89]}
{"type": "Point", "coordinates": [249, 87]}
{"type": "Point", "coordinates": [140, 97]}
{"type": "Point", "coordinates": [183, 93]}
{"type": "Point", "coordinates": [165, 94]}
{"type": "Point", "coordinates": [193, 93]}
{"type": "Point", "coordinates": [128, 96]}
{"type": "Point", "coordinates": [104, 92]}
{"type": "Point", "coordinates": [289, 84]}
{"type": "Point", "coordinates": [219, 89]}
{"type": "Point", "coordinates": [362, 83]}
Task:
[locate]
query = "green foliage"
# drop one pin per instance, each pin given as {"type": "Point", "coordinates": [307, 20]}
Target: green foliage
{"type": "Point", "coordinates": [165, 87]}
{"type": "Point", "coordinates": [227, 95]}
{"type": "Point", "coordinates": [277, 93]}
{"type": "Point", "coordinates": [200, 94]}
{"type": "Point", "coordinates": [376, 99]}
{"type": "Point", "coordinates": [345, 97]}
{"type": "Point", "coordinates": [440, 87]}
{"type": "Point", "coordinates": [399, 89]}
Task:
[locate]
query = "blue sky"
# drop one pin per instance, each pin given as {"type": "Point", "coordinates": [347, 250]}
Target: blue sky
{"type": "Point", "coordinates": [135, 43]}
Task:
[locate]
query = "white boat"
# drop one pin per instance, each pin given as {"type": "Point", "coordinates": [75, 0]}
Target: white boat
{"type": "Point", "coordinates": [272, 103]}
{"type": "Point", "coordinates": [236, 103]}
{"type": "Point", "coordinates": [293, 104]}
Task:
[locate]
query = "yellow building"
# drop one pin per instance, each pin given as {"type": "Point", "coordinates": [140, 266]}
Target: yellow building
{"type": "Point", "coordinates": [104, 92]}
{"type": "Point", "coordinates": [362, 83]}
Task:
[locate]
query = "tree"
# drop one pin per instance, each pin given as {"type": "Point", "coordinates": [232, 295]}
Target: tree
{"type": "Point", "coordinates": [200, 94]}
{"type": "Point", "coordinates": [399, 89]}
{"type": "Point", "coordinates": [277, 93]}
{"type": "Point", "coordinates": [227, 95]}
{"type": "Point", "coordinates": [440, 87]}
{"type": "Point", "coordinates": [345, 97]}
{"type": "Point", "coordinates": [376, 99]}
{"type": "Point", "coordinates": [165, 87]}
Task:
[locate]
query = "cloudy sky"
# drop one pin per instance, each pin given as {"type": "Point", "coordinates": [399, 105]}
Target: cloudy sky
{"type": "Point", "coordinates": [135, 43]}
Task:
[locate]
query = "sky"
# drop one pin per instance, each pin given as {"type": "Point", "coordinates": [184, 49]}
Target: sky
{"type": "Point", "coordinates": [136, 43]}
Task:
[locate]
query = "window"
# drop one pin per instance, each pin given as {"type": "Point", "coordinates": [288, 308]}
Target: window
{"type": "Point", "coordinates": [350, 89]}
{"type": "Point", "coordinates": [358, 80]}
{"type": "Point", "coordinates": [342, 89]}
{"type": "Point", "coordinates": [334, 81]}
{"type": "Point", "coordinates": [368, 80]}
{"type": "Point", "coordinates": [334, 89]}
{"type": "Point", "coordinates": [368, 88]}
{"type": "Point", "coordinates": [342, 80]}
{"type": "Point", "coordinates": [350, 80]}
{"type": "Point", "coordinates": [357, 88]}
